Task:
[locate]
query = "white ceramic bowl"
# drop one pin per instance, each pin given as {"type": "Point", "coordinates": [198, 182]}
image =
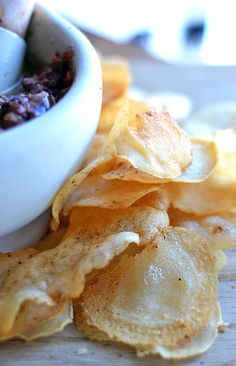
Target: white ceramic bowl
{"type": "Point", "coordinates": [37, 157]}
{"type": "Point", "coordinates": [10, 70]}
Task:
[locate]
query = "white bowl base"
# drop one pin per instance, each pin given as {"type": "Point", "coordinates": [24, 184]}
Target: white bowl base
{"type": "Point", "coordinates": [26, 236]}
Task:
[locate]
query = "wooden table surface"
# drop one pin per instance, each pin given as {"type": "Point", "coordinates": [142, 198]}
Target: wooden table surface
{"type": "Point", "coordinates": [204, 85]}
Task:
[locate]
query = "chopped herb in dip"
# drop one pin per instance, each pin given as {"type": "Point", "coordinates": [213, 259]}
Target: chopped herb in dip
{"type": "Point", "coordinates": [39, 92]}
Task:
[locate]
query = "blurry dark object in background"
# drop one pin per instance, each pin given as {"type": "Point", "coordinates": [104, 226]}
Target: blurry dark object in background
{"type": "Point", "coordinates": [140, 39]}
{"type": "Point", "coordinates": [194, 32]}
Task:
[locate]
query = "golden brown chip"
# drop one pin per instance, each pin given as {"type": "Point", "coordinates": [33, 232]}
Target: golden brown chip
{"type": "Point", "coordinates": [155, 144]}
{"type": "Point", "coordinates": [218, 192]}
{"type": "Point", "coordinates": [199, 344]}
{"type": "Point", "coordinates": [137, 108]}
{"type": "Point", "coordinates": [89, 221]}
{"type": "Point", "coordinates": [10, 261]}
{"type": "Point", "coordinates": [116, 79]}
{"type": "Point", "coordinates": [109, 114]}
{"type": "Point", "coordinates": [204, 160]}
{"type": "Point", "coordinates": [122, 170]}
{"type": "Point", "coordinates": [158, 199]}
{"type": "Point", "coordinates": [55, 275]}
{"type": "Point", "coordinates": [36, 320]}
{"type": "Point", "coordinates": [33, 319]}
{"type": "Point", "coordinates": [95, 149]}
{"type": "Point", "coordinates": [112, 194]}
{"type": "Point", "coordinates": [73, 183]}
{"type": "Point", "coordinates": [51, 240]}
{"type": "Point", "coordinates": [52, 325]}
{"type": "Point", "coordinates": [219, 230]}
{"type": "Point", "coordinates": [163, 295]}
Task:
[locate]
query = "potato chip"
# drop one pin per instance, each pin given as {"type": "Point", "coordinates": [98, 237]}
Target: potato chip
{"type": "Point", "coordinates": [110, 111]}
{"type": "Point", "coordinates": [219, 230]}
{"type": "Point", "coordinates": [115, 194]}
{"type": "Point", "coordinates": [199, 343]}
{"type": "Point", "coordinates": [218, 192]}
{"type": "Point", "coordinates": [89, 221]}
{"type": "Point", "coordinates": [33, 320]}
{"type": "Point", "coordinates": [162, 295]}
{"type": "Point", "coordinates": [108, 115]}
{"type": "Point", "coordinates": [116, 79]}
{"type": "Point", "coordinates": [204, 160]}
{"type": "Point", "coordinates": [156, 145]}
{"type": "Point", "coordinates": [36, 320]}
{"type": "Point", "coordinates": [56, 275]}
{"type": "Point", "coordinates": [203, 163]}
{"type": "Point", "coordinates": [136, 108]}
{"type": "Point", "coordinates": [51, 326]}
{"type": "Point", "coordinates": [51, 240]}
{"type": "Point", "coordinates": [73, 183]}
{"type": "Point", "coordinates": [147, 147]}
{"type": "Point", "coordinates": [95, 149]}
{"type": "Point", "coordinates": [211, 118]}
{"type": "Point", "coordinates": [158, 199]}
{"type": "Point", "coordinates": [10, 261]}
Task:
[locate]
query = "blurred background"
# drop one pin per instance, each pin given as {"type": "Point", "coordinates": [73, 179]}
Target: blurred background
{"type": "Point", "coordinates": [187, 32]}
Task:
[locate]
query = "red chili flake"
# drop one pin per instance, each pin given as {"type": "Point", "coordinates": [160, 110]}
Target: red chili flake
{"type": "Point", "coordinates": [69, 79]}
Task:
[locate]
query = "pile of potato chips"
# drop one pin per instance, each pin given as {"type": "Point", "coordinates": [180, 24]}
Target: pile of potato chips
{"type": "Point", "coordinates": [137, 236]}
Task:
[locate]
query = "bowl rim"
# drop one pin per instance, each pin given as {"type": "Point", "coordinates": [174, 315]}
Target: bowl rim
{"type": "Point", "coordinates": [84, 54]}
